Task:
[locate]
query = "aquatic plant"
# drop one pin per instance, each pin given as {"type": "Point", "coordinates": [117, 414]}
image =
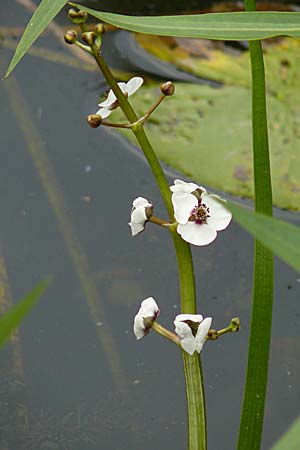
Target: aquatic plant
{"type": "Point", "coordinates": [194, 216]}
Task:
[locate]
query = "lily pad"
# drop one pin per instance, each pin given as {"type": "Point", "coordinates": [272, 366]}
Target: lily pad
{"type": "Point", "coordinates": [205, 133]}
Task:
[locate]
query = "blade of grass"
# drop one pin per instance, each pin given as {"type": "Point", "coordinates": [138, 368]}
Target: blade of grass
{"type": "Point", "coordinates": [290, 440]}
{"type": "Point", "coordinates": [45, 12]}
{"type": "Point", "coordinates": [10, 320]}
{"type": "Point", "coordinates": [252, 418]}
{"type": "Point", "coordinates": [282, 238]}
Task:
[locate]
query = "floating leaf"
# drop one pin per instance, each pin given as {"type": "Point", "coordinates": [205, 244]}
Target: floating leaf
{"type": "Point", "coordinates": [205, 133]}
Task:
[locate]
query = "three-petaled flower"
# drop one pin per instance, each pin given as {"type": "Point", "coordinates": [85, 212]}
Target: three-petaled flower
{"type": "Point", "coordinates": [111, 102]}
{"type": "Point", "coordinates": [199, 214]}
{"type": "Point", "coordinates": [145, 317]}
{"type": "Point", "coordinates": [192, 330]}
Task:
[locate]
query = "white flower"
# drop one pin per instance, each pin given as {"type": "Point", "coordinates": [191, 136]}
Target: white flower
{"type": "Point", "coordinates": [149, 311]}
{"type": "Point", "coordinates": [111, 102]}
{"type": "Point", "coordinates": [140, 213]}
{"type": "Point", "coordinates": [192, 330]}
{"type": "Point", "coordinates": [199, 214]}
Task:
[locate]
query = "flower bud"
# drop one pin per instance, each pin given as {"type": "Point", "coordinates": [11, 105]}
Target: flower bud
{"type": "Point", "coordinates": [89, 37]}
{"type": "Point", "coordinates": [167, 88]}
{"type": "Point", "coordinates": [100, 28]}
{"type": "Point", "coordinates": [213, 335]}
{"type": "Point", "coordinates": [94, 120]}
{"type": "Point", "coordinates": [77, 16]}
{"type": "Point", "coordinates": [70, 37]}
{"type": "Point", "coordinates": [235, 324]}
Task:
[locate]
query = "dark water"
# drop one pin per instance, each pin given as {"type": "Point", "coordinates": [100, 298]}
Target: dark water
{"type": "Point", "coordinates": [77, 378]}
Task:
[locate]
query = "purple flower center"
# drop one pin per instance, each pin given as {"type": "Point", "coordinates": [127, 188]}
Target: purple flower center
{"type": "Point", "coordinates": [200, 213]}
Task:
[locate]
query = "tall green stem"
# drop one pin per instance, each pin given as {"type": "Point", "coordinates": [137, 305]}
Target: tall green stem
{"type": "Point", "coordinates": [192, 364]}
{"type": "Point", "coordinates": [261, 320]}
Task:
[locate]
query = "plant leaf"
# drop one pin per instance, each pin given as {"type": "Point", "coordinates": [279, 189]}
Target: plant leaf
{"type": "Point", "coordinates": [281, 237]}
{"type": "Point", "coordinates": [10, 320]}
{"type": "Point", "coordinates": [45, 12]}
{"type": "Point", "coordinates": [291, 438]}
{"type": "Point", "coordinates": [234, 26]}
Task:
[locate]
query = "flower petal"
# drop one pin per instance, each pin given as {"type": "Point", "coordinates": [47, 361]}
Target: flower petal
{"type": "Point", "coordinates": [197, 234]}
{"type": "Point", "coordinates": [183, 206]}
{"type": "Point", "coordinates": [104, 112]}
{"type": "Point", "coordinates": [111, 98]}
{"type": "Point", "coordinates": [141, 202]}
{"type": "Point", "coordinates": [133, 85]}
{"type": "Point", "coordinates": [185, 336]}
{"type": "Point", "coordinates": [220, 216]}
{"type": "Point", "coordinates": [183, 187]}
{"type": "Point", "coordinates": [191, 317]}
{"type": "Point", "coordinates": [148, 308]}
{"type": "Point", "coordinates": [202, 333]}
{"type": "Point", "coordinates": [138, 217]}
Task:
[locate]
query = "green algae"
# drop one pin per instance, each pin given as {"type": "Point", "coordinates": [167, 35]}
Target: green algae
{"type": "Point", "coordinates": [205, 132]}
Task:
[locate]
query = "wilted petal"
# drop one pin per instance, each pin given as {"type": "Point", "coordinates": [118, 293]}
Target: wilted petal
{"type": "Point", "coordinates": [220, 216]}
{"type": "Point", "coordinates": [183, 206]}
{"type": "Point", "coordinates": [202, 333]}
{"type": "Point", "coordinates": [148, 308]}
{"type": "Point", "coordinates": [197, 234]}
{"type": "Point", "coordinates": [133, 85]}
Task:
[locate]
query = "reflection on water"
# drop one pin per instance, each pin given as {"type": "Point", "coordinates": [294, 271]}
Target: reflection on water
{"type": "Point", "coordinates": [83, 381]}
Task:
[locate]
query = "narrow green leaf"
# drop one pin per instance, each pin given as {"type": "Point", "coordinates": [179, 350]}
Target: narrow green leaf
{"type": "Point", "coordinates": [234, 26]}
{"type": "Point", "coordinates": [290, 440]}
{"type": "Point", "coordinates": [10, 320]}
{"type": "Point", "coordinates": [45, 12]}
{"type": "Point", "coordinates": [252, 417]}
{"type": "Point", "coordinates": [277, 235]}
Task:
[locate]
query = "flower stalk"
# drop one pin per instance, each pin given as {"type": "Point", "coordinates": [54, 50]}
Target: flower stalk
{"type": "Point", "coordinates": [192, 364]}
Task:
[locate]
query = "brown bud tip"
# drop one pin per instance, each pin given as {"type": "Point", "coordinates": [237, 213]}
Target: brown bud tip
{"type": "Point", "coordinates": [213, 335]}
{"type": "Point", "coordinates": [70, 37]}
{"type": "Point", "coordinates": [89, 37]}
{"type": "Point", "coordinates": [77, 16]}
{"type": "Point", "coordinates": [94, 120]}
{"type": "Point", "coordinates": [167, 88]}
{"type": "Point", "coordinates": [100, 28]}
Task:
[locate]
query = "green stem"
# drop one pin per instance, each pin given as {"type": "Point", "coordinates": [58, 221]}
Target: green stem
{"type": "Point", "coordinates": [192, 364]}
{"type": "Point", "coordinates": [261, 320]}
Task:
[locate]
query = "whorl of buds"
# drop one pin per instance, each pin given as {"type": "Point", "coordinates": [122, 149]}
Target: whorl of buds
{"type": "Point", "coordinates": [89, 37]}
{"type": "Point", "coordinates": [100, 28]}
{"type": "Point", "coordinates": [70, 37]}
{"type": "Point", "coordinates": [77, 16]}
{"type": "Point", "coordinates": [167, 88]}
{"type": "Point", "coordinates": [94, 120]}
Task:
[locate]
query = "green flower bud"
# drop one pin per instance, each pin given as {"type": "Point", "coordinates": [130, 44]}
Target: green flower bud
{"type": "Point", "coordinates": [70, 37]}
{"type": "Point", "coordinates": [167, 88]}
{"type": "Point", "coordinates": [94, 120]}
{"type": "Point", "coordinates": [77, 16]}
